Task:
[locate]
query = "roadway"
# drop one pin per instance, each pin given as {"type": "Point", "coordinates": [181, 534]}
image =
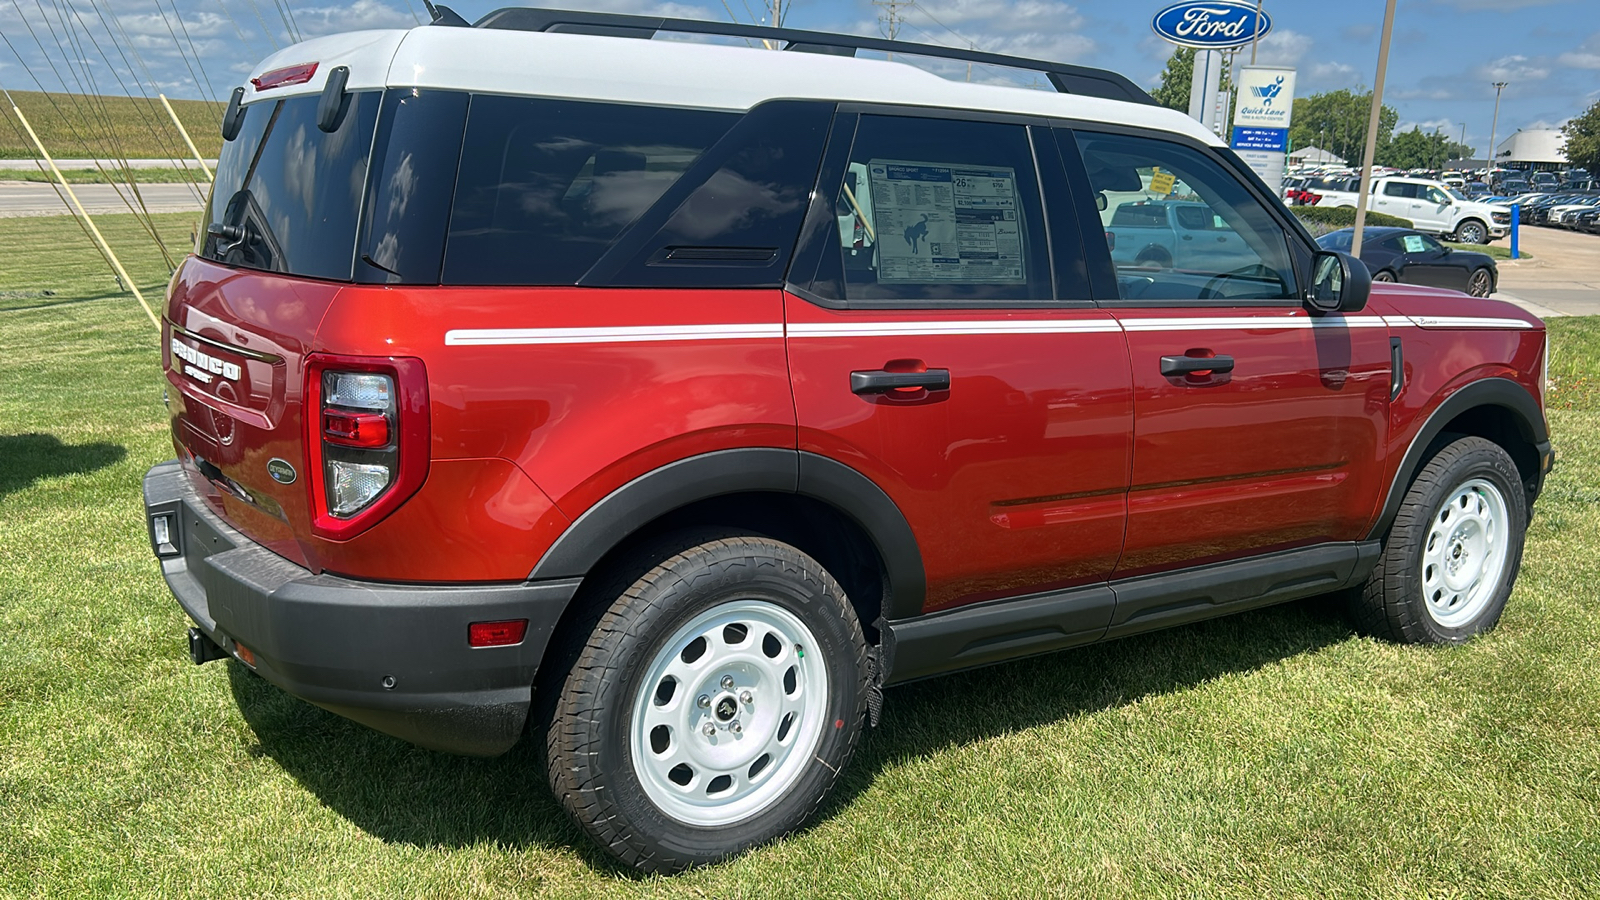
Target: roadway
{"type": "Point", "coordinates": [27, 198]}
{"type": "Point", "coordinates": [1562, 279]}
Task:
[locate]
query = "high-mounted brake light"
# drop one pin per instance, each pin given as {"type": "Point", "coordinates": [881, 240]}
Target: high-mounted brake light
{"type": "Point", "coordinates": [285, 76]}
{"type": "Point", "coordinates": [366, 439]}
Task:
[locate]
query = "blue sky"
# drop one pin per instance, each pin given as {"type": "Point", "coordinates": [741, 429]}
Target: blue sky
{"type": "Point", "coordinates": [1445, 53]}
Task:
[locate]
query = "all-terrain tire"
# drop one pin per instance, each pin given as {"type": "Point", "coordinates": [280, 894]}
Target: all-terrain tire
{"type": "Point", "coordinates": [594, 757]}
{"type": "Point", "coordinates": [1404, 600]}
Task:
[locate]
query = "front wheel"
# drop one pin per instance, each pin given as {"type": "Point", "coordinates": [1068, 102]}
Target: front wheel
{"type": "Point", "coordinates": [713, 707]}
{"type": "Point", "coordinates": [1383, 275]}
{"type": "Point", "coordinates": [1452, 555]}
{"type": "Point", "coordinates": [1472, 231]}
{"type": "Point", "coordinates": [1481, 283]}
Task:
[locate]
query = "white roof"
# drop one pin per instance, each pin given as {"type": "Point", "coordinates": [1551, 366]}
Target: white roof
{"type": "Point", "coordinates": [668, 73]}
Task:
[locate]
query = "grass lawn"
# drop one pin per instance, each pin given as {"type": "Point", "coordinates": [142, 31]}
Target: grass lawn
{"type": "Point", "coordinates": [1270, 754]}
{"type": "Point", "coordinates": [1498, 251]}
{"type": "Point", "coordinates": [86, 126]}
{"type": "Point", "coordinates": [95, 176]}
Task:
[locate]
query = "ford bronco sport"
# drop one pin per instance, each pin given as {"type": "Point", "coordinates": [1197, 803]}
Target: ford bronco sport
{"type": "Point", "coordinates": [665, 401]}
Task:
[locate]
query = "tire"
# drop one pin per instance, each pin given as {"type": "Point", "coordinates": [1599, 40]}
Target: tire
{"type": "Point", "coordinates": [1154, 257]}
{"type": "Point", "coordinates": [1471, 231]}
{"type": "Point", "coordinates": [1465, 515]}
{"type": "Point", "coordinates": [629, 756]}
{"type": "Point", "coordinates": [1383, 275]}
{"type": "Point", "coordinates": [1480, 283]}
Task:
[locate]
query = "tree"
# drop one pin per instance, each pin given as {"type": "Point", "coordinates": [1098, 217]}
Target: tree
{"type": "Point", "coordinates": [1582, 146]}
{"type": "Point", "coordinates": [1337, 121]}
{"type": "Point", "coordinates": [1178, 78]}
{"type": "Point", "coordinates": [1415, 150]}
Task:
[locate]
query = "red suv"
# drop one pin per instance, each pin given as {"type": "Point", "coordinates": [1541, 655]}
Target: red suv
{"type": "Point", "coordinates": [670, 400]}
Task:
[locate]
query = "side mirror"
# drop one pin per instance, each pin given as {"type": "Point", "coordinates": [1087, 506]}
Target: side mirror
{"type": "Point", "coordinates": [1339, 283]}
{"type": "Point", "coordinates": [1100, 201]}
{"type": "Point", "coordinates": [233, 117]}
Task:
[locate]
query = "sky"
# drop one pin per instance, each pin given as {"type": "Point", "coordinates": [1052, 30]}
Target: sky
{"type": "Point", "coordinates": [1444, 58]}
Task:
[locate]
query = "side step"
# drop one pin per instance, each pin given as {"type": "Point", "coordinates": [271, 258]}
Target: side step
{"type": "Point", "coordinates": [203, 649]}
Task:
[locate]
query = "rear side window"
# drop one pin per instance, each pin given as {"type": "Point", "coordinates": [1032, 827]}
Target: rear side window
{"type": "Point", "coordinates": [1400, 189]}
{"type": "Point", "coordinates": [287, 194]}
{"type": "Point", "coordinates": [940, 212]}
{"type": "Point", "coordinates": [546, 186]}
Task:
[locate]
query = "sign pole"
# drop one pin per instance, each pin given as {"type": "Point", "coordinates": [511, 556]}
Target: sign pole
{"type": "Point", "coordinates": [1372, 131]}
{"type": "Point", "coordinates": [1255, 38]}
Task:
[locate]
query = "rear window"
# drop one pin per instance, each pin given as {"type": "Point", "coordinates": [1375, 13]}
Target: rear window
{"type": "Point", "coordinates": [546, 186]}
{"type": "Point", "coordinates": [287, 194]}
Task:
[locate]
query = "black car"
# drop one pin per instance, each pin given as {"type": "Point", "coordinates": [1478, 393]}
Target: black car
{"type": "Point", "coordinates": [1411, 257]}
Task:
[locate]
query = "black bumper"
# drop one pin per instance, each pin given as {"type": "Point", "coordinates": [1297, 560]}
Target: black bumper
{"type": "Point", "coordinates": [393, 657]}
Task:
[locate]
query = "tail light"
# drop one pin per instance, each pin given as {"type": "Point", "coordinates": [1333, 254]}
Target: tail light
{"type": "Point", "coordinates": [366, 441]}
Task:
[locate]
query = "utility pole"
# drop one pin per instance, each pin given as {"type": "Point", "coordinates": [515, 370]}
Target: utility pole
{"type": "Point", "coordinates": [1363, 198]}
{"type": "Point", "coordinates": [1255, 38]}
{"type": "Point", "coordinates": [1494, 124]}
{"type": "Point", "coordinates": [889, 18]}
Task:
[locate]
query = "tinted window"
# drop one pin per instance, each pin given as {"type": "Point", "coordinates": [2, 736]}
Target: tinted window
{"type": "Point", "coordinates": [546, 185]}
{"type": "Point", "coordinates": [733, 219]}
{"type": "Point", "coordinates": [408, 200]}
{"type": "Point", "coordinates": [287, 194]}
{"type": "Point", "coordinates": [1400, 189]}
{"type": "Point", "coordinates": [939, 211]}
{"type": "Point", "coordinates": [1338, 240]}
{"type": "Point", "coordinates": [1245, 255]}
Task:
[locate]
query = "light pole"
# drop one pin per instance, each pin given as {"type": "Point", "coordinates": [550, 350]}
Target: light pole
{"type": "Point", "coordinates": [1373, 117]}
{"type": "Point", "coordinates": [1494, 124]}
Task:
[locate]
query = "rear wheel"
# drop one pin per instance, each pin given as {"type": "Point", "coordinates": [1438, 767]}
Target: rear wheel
{"type": "Point", "coordinates": [1451, 557]}
{"type": "Point", "coordinates": [1383, 275]}
{"type": "Point", "coordinates": [1472, 231]}
{"type": "Point", "coordinates": [713, 706]}
{"type": "Point", "coordinates": [1480, 283]}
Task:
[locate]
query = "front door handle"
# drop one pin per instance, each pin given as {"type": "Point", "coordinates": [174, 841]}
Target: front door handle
{"type": "Point", "coordinates": [879, 381]}
{"type": "Point", "coordinates": [1185, 365]}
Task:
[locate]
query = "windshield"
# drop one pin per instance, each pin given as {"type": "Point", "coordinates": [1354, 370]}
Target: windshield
{"type": "Point", "coordinates": [288, 194]}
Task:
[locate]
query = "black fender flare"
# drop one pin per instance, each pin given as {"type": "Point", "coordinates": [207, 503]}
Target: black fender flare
{"type": "Point", "coordinates": [765, 469]}
{"type": "Point", "coordinates": [1502, 392]}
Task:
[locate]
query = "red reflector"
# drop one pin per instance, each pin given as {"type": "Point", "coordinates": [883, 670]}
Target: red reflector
{"type": "Point", "coordinates": [355, 429]}
{"type": "Point", "coordinates": [284, 77]}
{"type": "Point", "coordinates": [244, 654]}
{"type": "Point", "coordinates": [496, 634]}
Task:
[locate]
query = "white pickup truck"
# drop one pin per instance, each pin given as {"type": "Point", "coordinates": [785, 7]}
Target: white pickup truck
{"type": "Point", "coordinates": [1431, 206]}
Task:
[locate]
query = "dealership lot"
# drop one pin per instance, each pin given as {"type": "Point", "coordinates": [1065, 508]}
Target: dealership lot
{"type": "Point", "coordinates": [1563, 277]}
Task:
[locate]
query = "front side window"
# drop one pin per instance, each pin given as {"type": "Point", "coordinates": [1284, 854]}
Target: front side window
{"type": "Point", "coordinates": [1181, 227]}
{"type": "Point", "coordinates": [940, 211]}
{"type": "Point", "coordinates": [288, 194]}
{"type": "Point", "coordinates": [546, 186]}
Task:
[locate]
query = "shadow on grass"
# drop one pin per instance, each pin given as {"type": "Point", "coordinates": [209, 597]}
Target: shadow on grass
{"type": "Point", "coordinates": [26, 458]}
{"type": "Point", "coordinates": [399, 793]}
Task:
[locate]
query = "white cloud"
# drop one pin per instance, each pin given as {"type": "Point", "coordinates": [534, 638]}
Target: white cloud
{"type": "Point", "coordinates": [1515, 68]}
{"type": "Point", "coordinates": [362, 14]}
{"type": "Point", "coordinates": [1495, 5]}
{"type": "Point", "coordinates": [1284, 48]}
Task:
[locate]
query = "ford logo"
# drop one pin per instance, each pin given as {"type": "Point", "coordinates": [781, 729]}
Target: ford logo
{"type": "Point", "coordinates": [281, 471]}
{"type": "Point", "coordinates": [1211, 26]}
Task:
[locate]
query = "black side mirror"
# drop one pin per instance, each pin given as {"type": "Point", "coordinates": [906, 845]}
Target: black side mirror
{"type": "Point", "coordinates": [1339, 283]}
{"type": "Point", "coordinates": [233, 118]}
{"type": "Point", "coordinates": [335, 102]}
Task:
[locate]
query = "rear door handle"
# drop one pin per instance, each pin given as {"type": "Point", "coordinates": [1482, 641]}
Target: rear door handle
{"type": "Point", "coordinates": [879, 381]}
{"type": "Point", "coordinates": [1183, 365]}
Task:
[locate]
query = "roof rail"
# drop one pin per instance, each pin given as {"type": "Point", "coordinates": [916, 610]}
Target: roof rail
{"type": "Point", "coordinates": [1068, 79]}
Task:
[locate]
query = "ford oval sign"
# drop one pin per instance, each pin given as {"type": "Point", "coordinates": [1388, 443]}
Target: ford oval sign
{"type": "Point", "coordinates": [1211, 26]}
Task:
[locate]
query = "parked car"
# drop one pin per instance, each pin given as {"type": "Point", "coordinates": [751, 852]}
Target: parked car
{"type": "Point", "coordinates": [1589, 221]}
{"type": "Point", "coordinates": [1475, 190]}
{"type": "Point", "coordinates": [1544, 181]}
{"type": "Point", "coordinates": [1432, 207]}
{"type": "Point", "coordinates": [1411, 257]}
{"type": "Point", "coordinates": [533, 379]}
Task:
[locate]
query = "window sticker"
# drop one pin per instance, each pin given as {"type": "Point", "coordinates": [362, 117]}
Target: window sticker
{"type": "Point", "coordinates": [1415, 244]}
{"type": "Point", "coordinates": [943, 223]}
{"type": "Point", "coordinates": [1162, 182]}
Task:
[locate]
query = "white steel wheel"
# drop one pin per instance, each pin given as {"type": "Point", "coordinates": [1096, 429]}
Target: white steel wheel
{"type": "Point", "coordinates": [1465, 552]}
{"type": "Point", "coordinates": [729, 713]}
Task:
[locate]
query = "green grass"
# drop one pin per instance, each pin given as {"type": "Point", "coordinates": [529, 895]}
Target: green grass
{"type": "Point", "coordinates": [1270, 754]}
{"type": "Point", "coordinates": [78, 126]}
{"type": "Point", "coordinates": [1498, 251]}
{"type": "Point", "coordinates": [95, 176]}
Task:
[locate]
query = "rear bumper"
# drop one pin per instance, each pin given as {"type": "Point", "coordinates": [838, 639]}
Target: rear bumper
{"type": "Point", "coordinates": [393, 657]}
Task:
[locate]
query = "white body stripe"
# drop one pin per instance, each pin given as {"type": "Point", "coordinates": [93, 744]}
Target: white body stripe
{"type": "Point", "coordinates": [758, 330]}
{"type": "Point", "coordinates": [894, 329]}
{"type": "Point", "coordinates": [616, 335]}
